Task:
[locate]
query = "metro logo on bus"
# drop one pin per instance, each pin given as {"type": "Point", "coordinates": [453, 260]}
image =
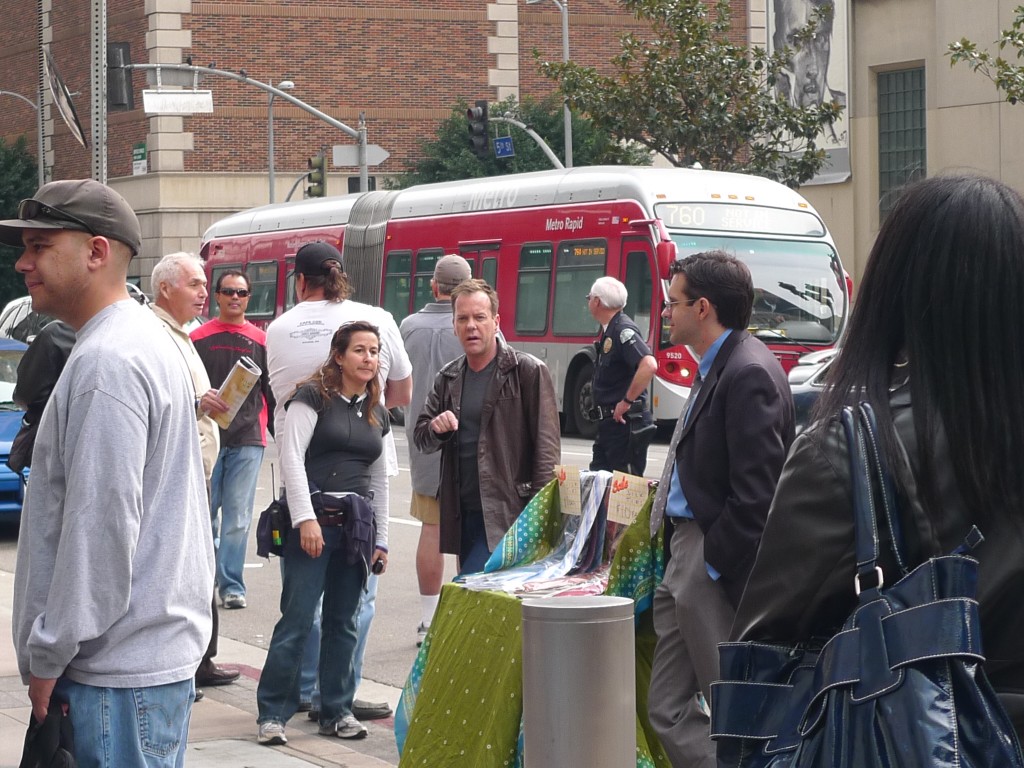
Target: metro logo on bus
{"type": "Point", "coordinates": [568, 224]}
{"type": "Point", "coordinates": [493, 199]}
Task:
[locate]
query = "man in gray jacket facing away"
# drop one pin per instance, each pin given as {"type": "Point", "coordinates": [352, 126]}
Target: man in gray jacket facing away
{"type": "Point", "coordinates": [430, 340]}
{"type": "Point", "coordinates": [115, 562]}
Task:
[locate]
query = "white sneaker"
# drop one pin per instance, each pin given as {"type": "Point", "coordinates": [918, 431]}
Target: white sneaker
{"type": "Point", "coordinates": [346, 727]}
{"type": "Point", "coordinates": [421, 634]}
{"type": "Point", "coordinates": [234, 601]}
{"type": "Point", "coordinates": [272, 733]}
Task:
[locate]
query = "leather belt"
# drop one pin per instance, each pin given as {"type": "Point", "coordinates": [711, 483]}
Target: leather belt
{"type": "Point", "coordinates": [331, 520]}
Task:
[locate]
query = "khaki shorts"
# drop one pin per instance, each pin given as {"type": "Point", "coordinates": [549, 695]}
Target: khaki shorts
{"type": "Point", "coordinates": [425, 509]}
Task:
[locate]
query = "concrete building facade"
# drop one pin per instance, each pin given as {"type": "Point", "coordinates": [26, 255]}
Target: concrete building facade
{"type": "Point", "coordinates": [912, 114]}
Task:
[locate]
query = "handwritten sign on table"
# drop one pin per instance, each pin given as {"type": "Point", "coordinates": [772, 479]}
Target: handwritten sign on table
{"type": "Point", "coordinates": [569, 488]}
{"type": "Point", "coordinates": [628, 494]}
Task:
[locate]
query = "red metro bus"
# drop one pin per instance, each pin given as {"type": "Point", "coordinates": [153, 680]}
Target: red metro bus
{"type": "Point", "coordinates": [541, 239]}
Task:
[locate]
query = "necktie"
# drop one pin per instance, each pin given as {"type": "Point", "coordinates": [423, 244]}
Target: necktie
{"type": "Point", "coordinates": [661, 496]}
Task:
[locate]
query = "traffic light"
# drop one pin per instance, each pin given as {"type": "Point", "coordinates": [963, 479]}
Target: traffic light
{"type": "Point", "coordinates": [317, 176]}
{"type": "Point", "coordinates": [479, 134]}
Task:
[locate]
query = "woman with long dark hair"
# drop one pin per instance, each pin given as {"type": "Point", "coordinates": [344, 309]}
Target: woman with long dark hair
{"type": "Point", "coordinates": [331, 459]}
{"type": "Point", "coordinates": [935, 346]}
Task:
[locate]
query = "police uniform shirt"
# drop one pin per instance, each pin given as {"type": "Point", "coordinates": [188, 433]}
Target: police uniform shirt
{"type": "Point", "coordinates": [619, 351]}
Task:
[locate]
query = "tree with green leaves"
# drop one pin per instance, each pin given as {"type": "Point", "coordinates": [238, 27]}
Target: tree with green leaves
{"type": "Point", "coordinates": [693, 96]}
{"type": "Point", "coordinates": [18, 180]}
{"type": "Point", "coordinates": [1007, 76]}
{"type": "Point", "coordinates": [448, 156]}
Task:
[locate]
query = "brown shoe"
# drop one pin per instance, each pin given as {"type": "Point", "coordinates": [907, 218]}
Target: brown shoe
{"type": "Point", "coordinates": [212, 675]}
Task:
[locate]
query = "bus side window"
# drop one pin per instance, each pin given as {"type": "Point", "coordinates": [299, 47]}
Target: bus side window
{"type": "Point", "coordinates": [289, 283]}
{"type": "Point", "coordinates": [215, 274]}
{"type": "Point", "coordinates": [397, 283]}
{"type": "Point", "coordinates": [580, 263]}
{"type": "Point", "coordinates": [426, 258]}
{"type": "Point", "coordinates": [640, 288]}
{"type": "Point", "coordinates": [534, 288]}
{"type": "Point", "coordinates": [263, 284]}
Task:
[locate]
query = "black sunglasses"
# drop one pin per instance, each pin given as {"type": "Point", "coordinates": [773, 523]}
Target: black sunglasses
{"type": "Point", "coordinates": [30, 209]}
{"type": "Point", "coordinates": [241, 293]}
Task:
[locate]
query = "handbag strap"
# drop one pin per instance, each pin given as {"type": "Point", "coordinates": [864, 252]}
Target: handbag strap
{"type": "Point", "coordinates": [884, 477]}
{"type": "Point", "coordinates": [868, 472]}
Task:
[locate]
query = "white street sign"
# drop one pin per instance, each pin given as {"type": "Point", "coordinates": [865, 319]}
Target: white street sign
{"type": "Point", "coordinates": [348, 154]}
{"type": "Point", "coordinates": [177, 102]}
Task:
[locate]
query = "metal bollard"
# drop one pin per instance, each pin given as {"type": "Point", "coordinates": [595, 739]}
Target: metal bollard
{"type": "Point", "coordinates": [579, 682]}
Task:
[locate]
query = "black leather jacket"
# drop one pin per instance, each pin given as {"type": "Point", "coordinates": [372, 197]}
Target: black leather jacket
{"type": "Point", "coordinates": [801, 587]}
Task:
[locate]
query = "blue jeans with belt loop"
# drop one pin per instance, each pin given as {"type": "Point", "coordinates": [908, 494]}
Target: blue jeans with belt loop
{"type": "Point", "coordinates": [304, 580]}
{"type": "Point", "coordinates": [145, 727]}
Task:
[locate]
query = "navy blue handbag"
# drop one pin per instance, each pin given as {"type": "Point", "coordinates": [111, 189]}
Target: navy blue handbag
{"type": "Point", "coordinates": [900, 685]}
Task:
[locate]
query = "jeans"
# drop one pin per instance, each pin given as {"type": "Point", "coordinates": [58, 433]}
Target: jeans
{"type": "Point", "coordinates": [233, 492]}
{"type": "Point", "coordinates": [146, 727]}
{"type": "Point", "coordinates": [304, 580]}
{"type": "Point", "coordinates": [309, 690]}
{"type": "Point", "coordinates": [473, 551]}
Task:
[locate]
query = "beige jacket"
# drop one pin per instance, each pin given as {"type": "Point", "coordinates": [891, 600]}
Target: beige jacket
{"type": "Point", "coordinates": [209, 435]}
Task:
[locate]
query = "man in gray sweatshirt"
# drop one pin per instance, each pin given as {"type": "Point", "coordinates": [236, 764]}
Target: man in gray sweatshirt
{"type": "Point", "coordinates": [115, 564]}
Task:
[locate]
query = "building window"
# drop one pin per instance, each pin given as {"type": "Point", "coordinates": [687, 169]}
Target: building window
{"type": "Point", "coordinates": [901, 133]}
{"type": "Point", "coordinates": [120, 97]}
{"type": "Point", "coordinates": [353, 184]}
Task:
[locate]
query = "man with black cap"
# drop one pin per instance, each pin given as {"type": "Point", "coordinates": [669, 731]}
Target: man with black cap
{"type": "Point", "coordinates": [298, 342]}
{"type": "Point", "coordinates": [430, 340]}
{"type": "Point", "coordinates": [115, 563]}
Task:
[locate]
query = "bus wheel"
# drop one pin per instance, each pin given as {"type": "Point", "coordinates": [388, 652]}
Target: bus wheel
{"type": "Point", "coordinates": [583, 401]}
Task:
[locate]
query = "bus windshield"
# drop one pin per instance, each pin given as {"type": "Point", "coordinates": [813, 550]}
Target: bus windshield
{"type": "Point", "coordinates": [799, 288]}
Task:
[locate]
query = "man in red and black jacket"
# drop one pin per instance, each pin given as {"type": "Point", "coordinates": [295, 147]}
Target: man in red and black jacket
{"type": "Point", "coordinates": [221, 343]}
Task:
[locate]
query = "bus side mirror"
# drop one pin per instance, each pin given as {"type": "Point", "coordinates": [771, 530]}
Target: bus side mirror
{"type": "Point", "coordinates": [665, 252]}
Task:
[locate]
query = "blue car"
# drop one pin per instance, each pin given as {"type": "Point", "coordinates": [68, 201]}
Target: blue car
{"type": "Point", "coordinates": [12, 486]}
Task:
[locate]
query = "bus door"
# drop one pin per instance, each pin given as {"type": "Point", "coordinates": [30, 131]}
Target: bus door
{"type": "Point", "coordinates": [483, 258]}
{"type": "Point", "coordinates": [638, 272]}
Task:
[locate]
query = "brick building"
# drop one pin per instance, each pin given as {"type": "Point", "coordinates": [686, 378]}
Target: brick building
{"type": "Point", "coordinates": [402, 64]}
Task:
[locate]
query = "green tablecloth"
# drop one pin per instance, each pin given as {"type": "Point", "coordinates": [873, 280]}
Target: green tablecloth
{"type": "Point", "coordinates": [462, 704]}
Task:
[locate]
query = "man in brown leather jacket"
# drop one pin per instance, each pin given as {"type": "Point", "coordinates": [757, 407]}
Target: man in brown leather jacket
{"type": "Point", "coordinates": [493, 416]}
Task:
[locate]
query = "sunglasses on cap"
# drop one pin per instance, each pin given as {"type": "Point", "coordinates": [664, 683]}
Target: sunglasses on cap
{"type": "Point", "coordinates": [30, 209]}
{"type": "Point", "coordinates": [241, 293]}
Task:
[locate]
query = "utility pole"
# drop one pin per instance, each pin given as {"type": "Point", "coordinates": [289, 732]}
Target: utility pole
{"type": "Point", "coordinates": [98, 51]}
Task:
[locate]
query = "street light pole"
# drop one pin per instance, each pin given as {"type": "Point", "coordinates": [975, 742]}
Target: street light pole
{"type": "Point", "coordinates": [284, 85]}
{"type": "Point", "coordinates": [563, 7]}
{"type": "Point", "coordinates": [40, 164]}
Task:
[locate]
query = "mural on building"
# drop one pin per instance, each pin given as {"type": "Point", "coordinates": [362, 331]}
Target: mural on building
{"type": "Point", "coordinates": [819, 69]}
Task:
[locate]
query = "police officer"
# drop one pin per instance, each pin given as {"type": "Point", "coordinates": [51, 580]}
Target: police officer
{"type": "Point", "coordinates": [625, 367]}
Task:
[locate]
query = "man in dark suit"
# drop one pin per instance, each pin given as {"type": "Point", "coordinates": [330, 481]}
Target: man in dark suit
{"type": "Point", "coordinates": [723, 464]}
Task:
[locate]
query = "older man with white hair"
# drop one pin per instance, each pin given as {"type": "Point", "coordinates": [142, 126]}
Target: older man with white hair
{"type": "Point", "coordinates": [622, 374]}
{"type": "Point", "coordinates": [179, 287]}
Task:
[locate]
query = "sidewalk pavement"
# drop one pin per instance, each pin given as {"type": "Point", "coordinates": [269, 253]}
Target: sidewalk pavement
{"type": "Point", "coordinates": [222, 733]}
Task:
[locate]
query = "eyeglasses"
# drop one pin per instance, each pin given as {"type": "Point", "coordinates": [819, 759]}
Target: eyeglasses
{"type": "Point", "coordinates": [241, 293]}
{"type": "Point", "coordinates": [589, 296]}
{"type": "Point", "coordinates": [684, 302]}
{"type": "Point", "coordinates": [32, 209]}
